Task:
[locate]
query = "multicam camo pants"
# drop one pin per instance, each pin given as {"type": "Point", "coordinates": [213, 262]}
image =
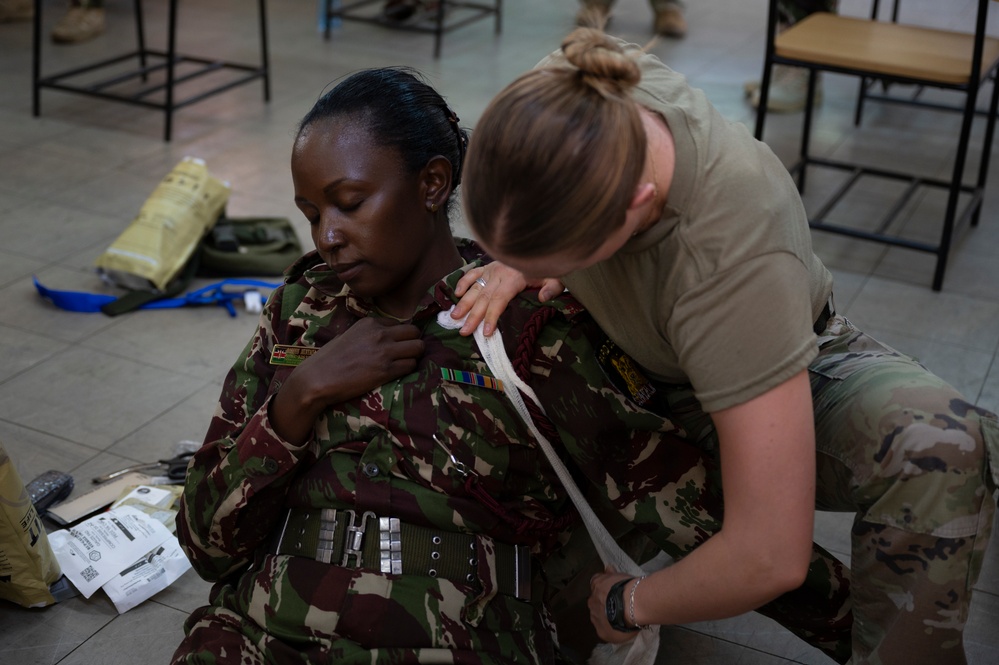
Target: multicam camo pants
{"type": "Point", "coordinates": [905, 451]}
{"type": "Point", "coordinates": [911, 457]}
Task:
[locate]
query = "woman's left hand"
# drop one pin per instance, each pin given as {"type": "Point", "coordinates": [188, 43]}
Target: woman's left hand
{"type": "Point", "coordinates": [600, 585]}
{"type": "Point", "coordinates": [498, 286]}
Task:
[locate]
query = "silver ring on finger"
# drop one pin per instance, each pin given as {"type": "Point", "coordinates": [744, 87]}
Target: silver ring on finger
{"type": "Point", "coordinates": [481, 282]}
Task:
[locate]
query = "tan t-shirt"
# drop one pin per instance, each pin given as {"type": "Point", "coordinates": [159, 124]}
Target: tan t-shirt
{"type": "Point", "coordinates": [722, 293]}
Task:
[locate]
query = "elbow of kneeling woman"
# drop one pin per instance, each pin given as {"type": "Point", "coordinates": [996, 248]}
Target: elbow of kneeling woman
{"type": "Point", "coordinates": [787, 567]}
{"type": "Point", "coordinates": [791, 576]}
{"type": "Point", "coordinates": [778, 565]}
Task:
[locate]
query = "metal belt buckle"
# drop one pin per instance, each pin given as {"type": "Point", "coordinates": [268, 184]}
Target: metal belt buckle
{"type": "Point", "coordinates": [390, 545]}
{"type": "Point", "coordinates": [353, 543]}
{"type": "Point", "coordinates": [522, 572]}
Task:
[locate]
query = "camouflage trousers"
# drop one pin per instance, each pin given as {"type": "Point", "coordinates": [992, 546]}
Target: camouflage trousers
{"type": "Point", "coordinates": [917, 464]}
{"type": "Point", "coordinates": [293, 610]}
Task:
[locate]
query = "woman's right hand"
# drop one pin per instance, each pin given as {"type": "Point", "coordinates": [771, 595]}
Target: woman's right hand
{"type": "Point", "coordinates": [600, 585]}
{"type": "Point", "coordinates": [369, 354]}
{"type": "Point", "coordinates": [486, 303]}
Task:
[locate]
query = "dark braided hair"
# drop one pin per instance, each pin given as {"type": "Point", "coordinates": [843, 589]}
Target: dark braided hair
{"type": "Point", "coordinates": [399, 110]}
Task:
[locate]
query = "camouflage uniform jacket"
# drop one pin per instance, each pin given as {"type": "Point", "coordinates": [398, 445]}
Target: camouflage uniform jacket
{"type": "Point", "coordinates": [378, 452]}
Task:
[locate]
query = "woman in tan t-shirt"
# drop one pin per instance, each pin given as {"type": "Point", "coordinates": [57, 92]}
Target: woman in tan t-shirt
{"type": "Point", "coordinates": [687, 241]}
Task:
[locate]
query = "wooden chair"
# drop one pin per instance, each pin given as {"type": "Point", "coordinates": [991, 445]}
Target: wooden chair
{"type": "Point", "coordinates": [892, 52]}
{"type": "Point", "coordinates": [878, 90]}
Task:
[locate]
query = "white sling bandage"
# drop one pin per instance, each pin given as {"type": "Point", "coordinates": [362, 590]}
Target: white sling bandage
{"type": "Point", "coordinates": [642, 650]}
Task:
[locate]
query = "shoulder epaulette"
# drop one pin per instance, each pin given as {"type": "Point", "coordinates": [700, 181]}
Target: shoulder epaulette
{"type": "Point", "coordinates": [565, 303]}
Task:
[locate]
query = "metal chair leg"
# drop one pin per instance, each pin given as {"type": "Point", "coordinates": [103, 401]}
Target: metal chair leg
{"type": "Point", "coordinates": [954, 192]}
{"type": "Point", "coordinates": [861, 97]}
{"type": "Point", "coordinates": [265, 59]}
{"type": "Point", "coordinates": [983, 168]}
{"type": "Point", "coordinates": [170, 71]}
{"type": "Point", "coordinates": [36, 60]}
{"type": "Point", "coordinates": [140, 37]}
{"type": "Point", "coordinates": [439, 28]}
{"type": "Point", "coordinates": [806, 131]}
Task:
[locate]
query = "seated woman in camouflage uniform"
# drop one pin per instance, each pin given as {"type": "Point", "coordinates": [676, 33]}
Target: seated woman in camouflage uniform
{"type": "Point", "coordinates": [366, 494]}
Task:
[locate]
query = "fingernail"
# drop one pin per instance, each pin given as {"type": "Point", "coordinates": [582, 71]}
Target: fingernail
{"type": "Point", "coordinates": [487, 330]}
{"type": "Point", "coordinates": [456, 313]}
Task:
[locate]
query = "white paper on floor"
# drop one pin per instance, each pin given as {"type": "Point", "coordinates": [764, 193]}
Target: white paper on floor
{"type": "Point", "coordinates": [125, 551]}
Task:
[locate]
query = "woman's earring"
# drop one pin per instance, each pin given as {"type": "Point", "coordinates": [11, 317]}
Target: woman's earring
{"type": "Point", "coordinates": [433, 207]}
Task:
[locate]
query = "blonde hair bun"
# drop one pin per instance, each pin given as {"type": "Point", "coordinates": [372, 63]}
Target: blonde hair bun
{"type": "Point", "coordinates": [601, 60]}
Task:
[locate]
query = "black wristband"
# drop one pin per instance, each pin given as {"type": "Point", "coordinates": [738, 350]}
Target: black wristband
{"type": "Point", "coordinates": [615, 608]}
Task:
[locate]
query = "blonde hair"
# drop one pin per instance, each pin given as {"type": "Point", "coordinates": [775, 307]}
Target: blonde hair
{"type": "Point", "coordinates": [555, 159]}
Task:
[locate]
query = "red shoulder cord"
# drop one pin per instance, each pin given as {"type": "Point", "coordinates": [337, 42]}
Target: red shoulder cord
{"type": "Point", "coordinates": [522, 366]}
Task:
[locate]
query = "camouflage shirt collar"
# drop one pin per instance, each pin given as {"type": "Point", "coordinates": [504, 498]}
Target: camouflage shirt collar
{"type": "Point", "coordinates": [440, 297]}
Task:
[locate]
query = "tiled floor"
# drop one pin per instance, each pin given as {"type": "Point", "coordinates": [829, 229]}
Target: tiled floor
{"type": "Point", "coordinates": [88, 394]}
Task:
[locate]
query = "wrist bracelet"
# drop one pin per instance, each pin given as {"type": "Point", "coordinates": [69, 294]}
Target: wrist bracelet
{"type": "Point", "coordinates": [631, 604]}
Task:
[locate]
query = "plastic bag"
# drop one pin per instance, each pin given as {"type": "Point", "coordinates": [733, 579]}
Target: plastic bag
{"type": "Point", "coordinates": [27, 564]}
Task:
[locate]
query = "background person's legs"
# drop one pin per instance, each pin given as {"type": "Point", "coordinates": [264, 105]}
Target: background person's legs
{"type": "Point", "coordinates": [594, 12]}
{"type": "Point", "coordinates": [669, 20]}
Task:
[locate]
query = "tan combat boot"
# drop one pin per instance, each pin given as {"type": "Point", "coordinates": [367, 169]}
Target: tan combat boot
{"type": "Point", "coordinates": [78, 25]}
{"type": "Point", "coordinates": [670, 21]}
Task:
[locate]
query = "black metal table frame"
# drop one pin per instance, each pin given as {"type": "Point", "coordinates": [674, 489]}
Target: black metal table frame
{"type": "Point", "coordinates": [439, 26]}
{"type": "Point", "coordinates": [170, 59]}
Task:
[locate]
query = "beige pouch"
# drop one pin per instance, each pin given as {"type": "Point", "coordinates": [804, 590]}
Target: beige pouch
{"type": "Point", "coordinates": [27, 564]}
{"type": "Point", "coordinates": [160, 241]}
